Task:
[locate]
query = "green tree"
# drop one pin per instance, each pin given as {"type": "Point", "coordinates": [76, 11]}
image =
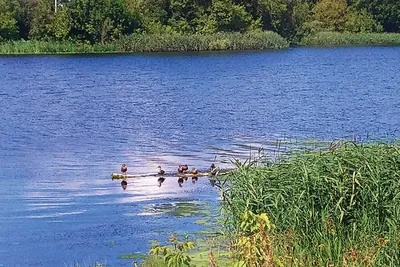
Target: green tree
{"type": "Point", "coordinates": [8, 22]}
{"type": "Point", "coordinates": [184, 14]}
{"type": "Point", "coordinates": [25, 16]}
{"type": "Point", "coordinates": [224, 16]}
{"type": "Point", "coordinates": [361, 21]}
{"type": "Point", "coordinates": [61, 25]}
{"type": "Point", "coordinates": [101, 20]}
{"type": "Point", "coordinates": [301, 13]}
{"type": "Point", "coordinates": [329, 15]}
{"type": "Point", "coordinates": [151, 14]}
{"type": "Point", "coordinates": [272, 13]}
{"type": "Point", "coordinates": [385, 12]}
{"type": "Point", "coordinates": [42, 22]}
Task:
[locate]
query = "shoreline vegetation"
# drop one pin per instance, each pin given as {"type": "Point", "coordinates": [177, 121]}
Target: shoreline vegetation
{"type": "Point", "coordinates": [140, 43]}
{"type": "Point", "coordinates": [121, 26]}
{"type": "Point", "coordinates": [327, 207]}
{"type": "Point", "coordinates": [351, 39]}
{"type": "Point", "coordinates": [153, 43]}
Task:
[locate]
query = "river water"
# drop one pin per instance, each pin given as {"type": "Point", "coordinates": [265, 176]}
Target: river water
{"type": "Point", "coordinates": [68, 122]}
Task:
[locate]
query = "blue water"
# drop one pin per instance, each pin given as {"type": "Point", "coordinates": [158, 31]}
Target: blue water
{"type": "Point", "coordinates": [68, 122]}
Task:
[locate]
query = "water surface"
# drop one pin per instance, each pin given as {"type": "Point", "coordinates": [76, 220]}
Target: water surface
{"type": "Point", "coordinates": [68, 122]}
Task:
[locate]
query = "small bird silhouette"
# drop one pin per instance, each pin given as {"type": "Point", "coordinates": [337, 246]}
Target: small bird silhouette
{"type": "Point", "coordinates": [160, 171]}
{"type": "Point", "coordinates": [124, 169]}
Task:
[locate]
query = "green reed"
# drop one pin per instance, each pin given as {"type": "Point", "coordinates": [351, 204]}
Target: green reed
{"type": "Point", "coordinates": [346, 39]}
{"type": "Point", "coordinates": [197, 42]}
{"type": "Point", "coordinates": [152, 43]}
{"type": "Point", "coordinates": [340, 206]}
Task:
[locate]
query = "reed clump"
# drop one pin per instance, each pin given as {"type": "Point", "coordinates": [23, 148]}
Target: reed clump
{"type": "Point", "coordinates": [339, 207]}
{"type": "Point", "coordinates": [349, 39]}
{"type": "Point", "coordinates": [153, 43]}
{"type": "Point", "coordinates": [196, 42]}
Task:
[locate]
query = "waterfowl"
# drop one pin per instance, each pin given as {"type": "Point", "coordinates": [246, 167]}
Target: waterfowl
{"type": "Point", "coordinates": [184, 167]}
{"type": "Point", "coordinates": [194, 171]}
{"type": "Point", "coordinates": [194, 179]}
{"type": "Point", "coordinates": [180, 170]}
{"type": "Point", "coordinates": [180, 181]}
{"type": "Point", "coordinates": [160, 171]}
{"type": "Point", "coordinates": [213, 169]}
{"type": "Point", "coordinates": [160, 181]}
{"type": "Point", "coordinates": [124, 169]}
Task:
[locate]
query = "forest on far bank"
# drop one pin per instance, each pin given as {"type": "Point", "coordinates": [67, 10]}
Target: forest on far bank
{"type": "Point", "coordinates": [104, 21]}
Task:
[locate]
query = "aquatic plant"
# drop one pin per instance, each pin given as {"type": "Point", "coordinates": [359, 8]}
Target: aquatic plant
{"type": "Point", "coordinates": [175, 256]}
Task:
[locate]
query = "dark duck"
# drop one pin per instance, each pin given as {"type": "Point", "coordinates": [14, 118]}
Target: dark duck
{"type": "Point", "coordinates": [124, 169]}
{"type": "Point", "coordinates": [160, 171]}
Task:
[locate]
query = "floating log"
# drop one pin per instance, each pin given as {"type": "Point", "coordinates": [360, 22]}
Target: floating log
{"type": "Point", "coordinates": [116, 176]}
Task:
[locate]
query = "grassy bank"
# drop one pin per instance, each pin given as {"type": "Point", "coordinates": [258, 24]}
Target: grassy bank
{"type": "Point", "coordinates": [332, 208]}
{"type": "Point", "coordinates": [153, 43]}
{"type": "Point", "coordinates": [348, 39]}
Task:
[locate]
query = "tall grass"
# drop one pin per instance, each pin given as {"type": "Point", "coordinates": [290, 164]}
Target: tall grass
{"type": "Point", "coordinates": [329, 207]}
{"type": "Point", "coordinates": [344, 39]}
{"type": "Point", "coordinates": [153, 43]}
{"type": "Point", "coordinates": [197, 42]}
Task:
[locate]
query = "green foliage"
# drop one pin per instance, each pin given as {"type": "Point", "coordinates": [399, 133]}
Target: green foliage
{"type": "Point", "coordinates": [385, 12]}
{"type": "Point", "coordinates": [137, 256]}
{"type": "Point", "coordinates": [183, 14]}
{"type": "Point", "coordinates": [329, 15]}
{"type": "Point", "coordinates": [361, 21]}
{"type": "Point", "coordinates": [339, 39]}
{"type": "Point", "coordinates": [24, 18]}
{"type": "Point", "coordinates": [300, 15]}
{"type": "Point", "coordinates": [224, 16]}
{"type": "Point", "coordinates": [8, 22]}
{"type": "Point", "coordinates": [253, 243]}
{"type": "Point", "coordinates": [42, 22]}
{"type": "Point", "coordinates": [196, 42]}
{"type": "Point", "coordinates": [329, 207]}
{"type": "Point", "coordinates": [175, 256]}
{"type": "Point", "coordinates": [151, 43]}
{"type": "Point", "coordinates": [61, 25]}
{"type": "Point", "coordinates": [101, 20]}
{"type": "Point", "coordinates": [272, 12]}
{"type": "Point", "coordinates": [104, 21]}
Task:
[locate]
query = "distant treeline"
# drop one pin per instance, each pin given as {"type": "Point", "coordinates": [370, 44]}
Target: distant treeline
{"type": "Point", "coordinates": [104, 21]}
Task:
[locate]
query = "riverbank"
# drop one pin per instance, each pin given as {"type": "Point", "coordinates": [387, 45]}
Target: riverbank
{"type": "Point", "coordinates": [350, 39]}
{"type": "Point", "coordinates": [153, 43]}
